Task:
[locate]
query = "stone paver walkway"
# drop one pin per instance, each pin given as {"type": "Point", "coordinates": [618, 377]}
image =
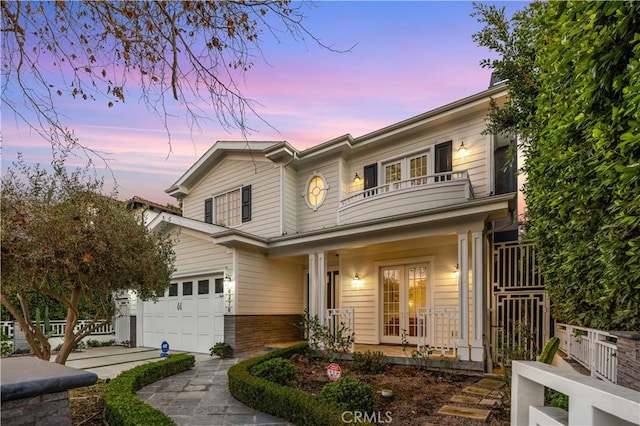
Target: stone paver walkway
{"type": "Point", "coordinates": [476, 401]}
{"type": "Point", "coordinates": [201, 397]}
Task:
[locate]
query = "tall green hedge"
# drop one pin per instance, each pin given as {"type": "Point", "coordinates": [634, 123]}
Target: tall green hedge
{"type": "Point", "coordinates": [122, 406]}
{"type": "Point", "coordinates": [574, 89]}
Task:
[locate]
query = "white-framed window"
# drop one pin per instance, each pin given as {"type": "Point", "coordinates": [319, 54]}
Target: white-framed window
{"type": "Point", "coordinates": [227, 208]}
{"type": "Point", "coordinates": [393, 172]}
{"type": "Point", "coordinates": [316, 191]}
{"type": "Point", "coordinates": [414, 168]}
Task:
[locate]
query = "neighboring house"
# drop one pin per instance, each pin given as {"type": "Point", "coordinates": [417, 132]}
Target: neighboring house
{"type": "Point", "coordinates": [125, 323]}
{"type": "Point", "coordinates": [148, 210]}
{"type": "Point", "coordinates": [390, 226]}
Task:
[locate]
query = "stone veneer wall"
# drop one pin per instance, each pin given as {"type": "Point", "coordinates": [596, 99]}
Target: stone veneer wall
{"type": "Point", "coordinates": [248, 334]}
{"type": "Point", "coordinates": [628, 348]}
{"type": "Point", "coordinates": [51, 409]}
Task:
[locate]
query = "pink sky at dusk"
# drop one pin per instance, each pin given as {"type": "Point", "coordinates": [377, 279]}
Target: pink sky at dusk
{"type": "Point", "coordinates": [408, 58]}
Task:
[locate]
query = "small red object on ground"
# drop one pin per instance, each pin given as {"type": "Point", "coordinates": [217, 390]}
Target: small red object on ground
{"type": "Point", "coordinates": [334, 371]}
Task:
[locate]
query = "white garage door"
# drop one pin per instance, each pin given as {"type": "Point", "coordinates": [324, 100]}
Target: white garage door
{"type": "Point", "coordinates": [190, 316]}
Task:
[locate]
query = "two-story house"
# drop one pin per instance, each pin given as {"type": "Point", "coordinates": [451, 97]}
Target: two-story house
{"type": "Point", "coordinates": [390, 229]}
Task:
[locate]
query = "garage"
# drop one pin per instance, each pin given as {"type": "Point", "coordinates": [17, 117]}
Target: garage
{"type": "Point", "coordinates": [190, 316]}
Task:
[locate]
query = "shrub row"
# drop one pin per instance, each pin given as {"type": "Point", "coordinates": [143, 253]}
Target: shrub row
{"type": "Point", "coordinates": [281, 401]}
{"type": "Point", "coordinates": [122, 406]}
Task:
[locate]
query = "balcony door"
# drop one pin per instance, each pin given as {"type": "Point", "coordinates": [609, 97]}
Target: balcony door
{"type": "Point", "coordinates": [404, 289]}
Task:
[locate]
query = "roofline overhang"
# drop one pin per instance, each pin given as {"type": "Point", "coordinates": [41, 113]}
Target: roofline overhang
{"type": "Point", "coordinates": [181, 187]}
{"type": "Point", "coordinates": [488, 208]}
{"type": "Point", "coordinates": [167, 219]}
{"type": "Point", "coordinates": [282, 151]}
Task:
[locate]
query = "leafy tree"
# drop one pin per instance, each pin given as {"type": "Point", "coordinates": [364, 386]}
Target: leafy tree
{"type": "Point", "coordinates": [192, 51]}
{"type": "Point", "coordinates": [574, 96]}
{"type": "Point", "coordinates": [63, 239]}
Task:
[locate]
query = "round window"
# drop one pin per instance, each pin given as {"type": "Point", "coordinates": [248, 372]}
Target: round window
{"type": "Point", "coordinates": [316, 191]}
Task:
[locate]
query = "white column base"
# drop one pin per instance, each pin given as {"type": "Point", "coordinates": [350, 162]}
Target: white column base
{"type": "Point", "coordinates": [463, 350]}
{"type": "Point", "coordinates": [477, 351]}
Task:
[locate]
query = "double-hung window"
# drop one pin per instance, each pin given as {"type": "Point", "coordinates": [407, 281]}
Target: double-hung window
{"type": "Point", "coordinates": [227, 208]}
{"type": "Point", "coordinates": [412, 170]}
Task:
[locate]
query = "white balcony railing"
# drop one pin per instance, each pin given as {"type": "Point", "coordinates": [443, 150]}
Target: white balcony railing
{"type": "Point", "coordinates": [591, 401]}
{"type": "Point", "coordinates": [437, 329]}
{"type": "Point", "coordinates": [596, 350]}
{"type": "Point", "coordinates": [413, 183]}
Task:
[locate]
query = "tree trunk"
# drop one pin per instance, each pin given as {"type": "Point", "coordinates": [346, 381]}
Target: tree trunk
{"type": "Point", "coordinates": [69, 341]}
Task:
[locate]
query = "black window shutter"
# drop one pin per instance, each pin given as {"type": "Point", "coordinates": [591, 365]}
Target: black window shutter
{"type": "Point", "coordinates": [246, 203]}
{"type": "Point", "coordinates": [371, 176]}
{"type": "Point", "coordinates": [443, 160]}
{"type": "Point", "coordinates": [208, 210]}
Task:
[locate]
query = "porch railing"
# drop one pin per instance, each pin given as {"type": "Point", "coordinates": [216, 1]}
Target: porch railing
{"type": "Point", "coordinates": [408, 184]}
{"type": "Point", "coordinates": [596, 350]}
{"type": "Point", "coordinates": [437, 329]}
{"type": "Point", "coordinates": [58, 328]}
{"type": "Point", "coordinates": [339, 321]}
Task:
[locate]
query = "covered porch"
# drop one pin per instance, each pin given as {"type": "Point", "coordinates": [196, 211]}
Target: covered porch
{"type": "Point", "coordinates": [414, 282]}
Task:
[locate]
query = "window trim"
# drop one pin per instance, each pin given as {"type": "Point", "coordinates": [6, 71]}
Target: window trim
{"type": "Point", "coordinates": [405, 164]}
{"type": "Point", "coordinates": [306, 191]}
{"type": "Point", "coordinates": [215, 207]}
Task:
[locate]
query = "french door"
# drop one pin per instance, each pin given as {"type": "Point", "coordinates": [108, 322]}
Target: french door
{"type": "Point", "coordinates": [404, 291]}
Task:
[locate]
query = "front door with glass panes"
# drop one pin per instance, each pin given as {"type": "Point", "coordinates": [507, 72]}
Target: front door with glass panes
{"type": "Point", "coordinates": [404, 290]}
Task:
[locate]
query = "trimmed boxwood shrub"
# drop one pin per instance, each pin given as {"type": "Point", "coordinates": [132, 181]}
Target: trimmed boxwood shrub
{"type": "Point", "coordinates": [370, 362]}
{"type": "Point", "coordinates": [122, 406]}
{"type": "Point", "coordinates": [349, 394]}
{"type": "Point", "coordinates": [277, 370]}
{"type": "Point", "coordinates": [281, 401]}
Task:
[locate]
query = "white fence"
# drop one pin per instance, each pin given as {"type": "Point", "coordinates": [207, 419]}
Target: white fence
{"type": "Point", "coordinates": [591, 401]}
{"type": "Point", "coordinates": [595, 350]}
{"type": "Point", "coordinates": [438, 329]}
{"type": "Point", "coordinates": [340, 321]}
{"type": "Point", "coordinates": [58, 328]}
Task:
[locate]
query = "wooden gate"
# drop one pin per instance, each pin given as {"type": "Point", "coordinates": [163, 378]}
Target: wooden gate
{"type": "Point", "coordinates": [520, 315]}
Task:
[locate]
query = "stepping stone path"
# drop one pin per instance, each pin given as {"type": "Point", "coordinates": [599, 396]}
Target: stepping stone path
{"type": "Point", "coordinates": [476, 401]}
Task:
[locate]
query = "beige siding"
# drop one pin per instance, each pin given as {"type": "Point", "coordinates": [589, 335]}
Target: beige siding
{"type": "Point", "coordinates": [326, 215]}
{"type": "Point", "coordinates": [468, 129]}
{"type": "Point", "coordinates": [290, 200]}
{"type": "Point", "coordinates": [266, 286]}
{"type": "Point", "coordinates": [366, 299]}
{"type": "Point", "coordinates": [232, 173]}
{"type": "Point", "coordinates": [196, 253]}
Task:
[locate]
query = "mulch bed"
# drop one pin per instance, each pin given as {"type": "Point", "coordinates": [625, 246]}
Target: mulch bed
{"type": "Point", "coordinates": [417, 393]}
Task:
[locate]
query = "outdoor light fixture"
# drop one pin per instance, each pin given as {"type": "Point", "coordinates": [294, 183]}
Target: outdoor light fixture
{"type": "Point", "coordinates": [456, 272]}
{"type": "Point", "coordinates": [356, 179]}
{"type": "Point", "coordinates": [227, 277]}
{"type": "Point", "coordinates": [357, 281]}
{"type": "Point", "coordinates": [462, 150]}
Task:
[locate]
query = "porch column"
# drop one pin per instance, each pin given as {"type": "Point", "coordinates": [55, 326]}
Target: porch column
{"type": "Point", "coordinates": [478, 302]}
{"type": "Point", "coordinates": [463, 296]}
{"type": "Point", "coordinates": [313, 286]}
{"type": "Point", "coordinates": [322, 287]}
{"type": "Point", "coordinates": [317, 285]}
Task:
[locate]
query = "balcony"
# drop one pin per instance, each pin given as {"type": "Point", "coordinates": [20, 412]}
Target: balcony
{"type": "Point", "coordinates": [406, 196]}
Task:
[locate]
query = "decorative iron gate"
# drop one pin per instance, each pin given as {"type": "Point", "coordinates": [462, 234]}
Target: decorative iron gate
{"type": "Point", "coordinates": [520, 315]}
